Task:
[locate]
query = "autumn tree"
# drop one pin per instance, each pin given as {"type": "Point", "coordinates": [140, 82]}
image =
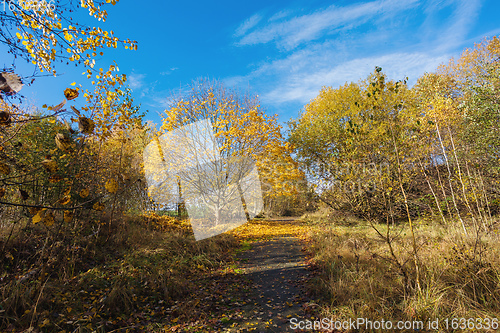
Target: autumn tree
{"type": "Point", "coordinates": [44, 32]}
{"type": "Point", "coordinates": [241, 130]}
{"type": "Point", "coordinates": [458, 101]}
{"type": "Point", "coordinates": [481, 118]}
{"type": "Point", "coordinates": [350, 139]}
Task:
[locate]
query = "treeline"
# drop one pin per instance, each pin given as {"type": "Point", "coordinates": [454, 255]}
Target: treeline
{"type": "Point", "coordinates": [386, 151]}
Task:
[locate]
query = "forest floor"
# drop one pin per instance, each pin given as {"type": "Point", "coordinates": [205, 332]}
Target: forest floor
{"type": "Point", "coordinates": [253, 278]}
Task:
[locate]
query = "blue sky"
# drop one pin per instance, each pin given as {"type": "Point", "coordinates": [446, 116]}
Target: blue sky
{"type": "Point", "coordinates": [283, 51]}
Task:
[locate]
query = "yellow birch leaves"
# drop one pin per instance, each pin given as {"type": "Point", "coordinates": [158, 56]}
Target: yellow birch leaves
{"type": "Point", "coordinates": [44, 216]}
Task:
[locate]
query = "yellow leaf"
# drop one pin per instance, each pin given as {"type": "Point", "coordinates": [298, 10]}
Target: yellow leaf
{"type": "Point", "coordinates": [98, 206]}
{"type": "Point", "coordinates": [84, 193]}
{"type": "Point", "coordinates": [18, 35]}
{"type": "Point", "coordinates": [37, 218]}
{"type": "Point", "coordinates": [68, 216]}
{"type": "Point", "coordinates": [65, 200]}
{"type": "Point", "coordinates": [71, 93]}
{"type": "Point", "coordinates": [48, 219]}
{"type": "Point", "coordinates": [111, 186]}
{"type": "Point", "coordinates": [4, 168]}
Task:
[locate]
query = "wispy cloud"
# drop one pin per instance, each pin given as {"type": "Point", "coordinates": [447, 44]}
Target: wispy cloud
{"type": "Point", "coordinates": [297, 30]}
{"type": "Point", "coordinates": [248, 24]}
{"type": "Point", "coordinates": [450, 32]}
{"type": "Point", "coordinates": [169, 71]}
{"type": "Point", "coordinates": [305, 85]}
{"type": "Point", "coordinates": [136, 81]}
{"type": "Point", "coordinates": [279, 15]}
{"type": "Point", "coordinates": [317, 49]}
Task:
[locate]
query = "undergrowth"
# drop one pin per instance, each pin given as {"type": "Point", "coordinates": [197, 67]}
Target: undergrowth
{"type": "Point", "coordinates": [459, 276]}
{"type": "Point", "coordinates": [104, 281]}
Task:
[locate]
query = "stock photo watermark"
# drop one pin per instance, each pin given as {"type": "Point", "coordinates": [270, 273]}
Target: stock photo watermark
{"type": "Point", "coordinates": [220, 194]}
{"type": "Point", "coordinates": [384, 325]}
{"type": "Point", "coordinates": [29, 5]}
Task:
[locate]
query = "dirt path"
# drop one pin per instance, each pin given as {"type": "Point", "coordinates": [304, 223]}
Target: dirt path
{"type": "Point", "coordinates": [262, 292]}
{"type": "Point", "coordinates": [278, 272]}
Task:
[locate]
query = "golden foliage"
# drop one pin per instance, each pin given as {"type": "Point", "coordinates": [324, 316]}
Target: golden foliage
{"type": "Point", "coordinates": [84, 193]}
{"type": "Point", "coordinates": [48, 32]}
{"type": "Point", "coordinates": [111, 185]}
{"type": "Point", "coordinates": [50, 165]}
{"type": "Point", "coordinates": [166, 223]}
{"type": "Point", "coordinates": [241, 129]}
{"type": "Point", "coordinates": [4, 168]}
{"type": "Point", "coordinates": [70, 93]}
{"type": "Point", "coordinates": [63, 142]}
{"type": "Point", "coordinates": [262, 230]}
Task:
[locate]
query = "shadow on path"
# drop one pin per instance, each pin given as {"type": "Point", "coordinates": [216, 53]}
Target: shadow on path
{"type": "Point", "coordinates": [277, 271]}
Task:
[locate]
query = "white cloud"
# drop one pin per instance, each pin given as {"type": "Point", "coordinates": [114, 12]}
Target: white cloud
{"type": "Point", "coordinates": [297, 30]}
{"type": "Point", "coordinates": [305, 85]}
{"type": "Point", "coordinates": [279, 15]}
{"type": "Point", "coordinates": [169, 71]}
{"type": "Point", "coordinates": [325, 59]}
{"type": "Point", "coordinates": [451, 31]}
{"type": "Point", "coordinates": [136, 81]}
{"type": "Point", "coordinates": [248, 24]}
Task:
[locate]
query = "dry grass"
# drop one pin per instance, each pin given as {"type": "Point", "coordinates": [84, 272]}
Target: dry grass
{"type": "Point", "coordinates": [459, 276]}
{"type": "Point", "coordinates": [114, 275]}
